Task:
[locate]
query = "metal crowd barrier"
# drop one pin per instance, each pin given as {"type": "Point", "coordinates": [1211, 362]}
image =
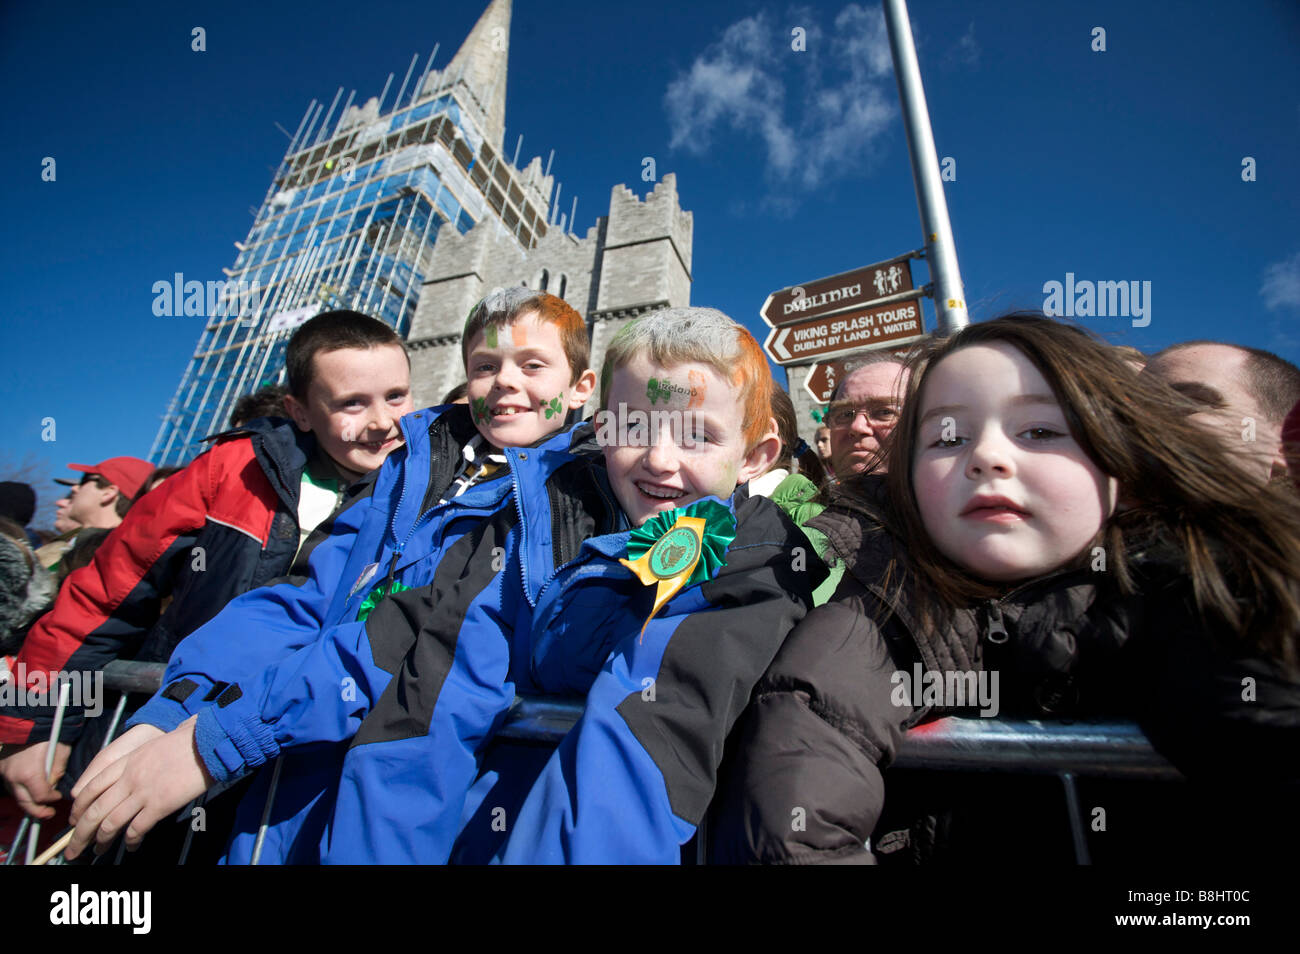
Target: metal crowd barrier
{"type": "Point", "coordinates": [1066, 750]}
{"type": "Point", "coordinates": [1094, 749]}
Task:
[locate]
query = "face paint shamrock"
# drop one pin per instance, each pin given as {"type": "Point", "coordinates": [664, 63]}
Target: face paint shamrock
{"type": "Point", "coordinates": [556, 406]}
{"type": "Point", "coordinates": [657, 389]}
{"type": "Point", "coordinates": [481, 410]}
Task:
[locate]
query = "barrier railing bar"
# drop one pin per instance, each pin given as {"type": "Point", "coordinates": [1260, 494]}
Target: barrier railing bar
{"type": "Point", "coordinates": [1102, 749]}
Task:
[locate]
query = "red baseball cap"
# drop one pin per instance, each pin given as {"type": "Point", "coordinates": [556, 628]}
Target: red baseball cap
{"type": "Point", "coordinates": [127, 473]}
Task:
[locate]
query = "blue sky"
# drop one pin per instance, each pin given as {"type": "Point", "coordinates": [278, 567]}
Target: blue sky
{"type": "Point", "coordinates": [1116, 165]}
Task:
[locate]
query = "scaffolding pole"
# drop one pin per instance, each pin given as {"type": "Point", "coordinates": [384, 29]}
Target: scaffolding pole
{"type": "Point", "coordinates": [297, 132]}
{"type": "Point", "coordinates": [375, 262]}
{"type": "Point", "coordinates": [290, 297]}
{"type": "Point", "coordinates": [324, 133]}
{"type": "Point", "coordinates": [419, 252]}
{"type": "Point", "coordinates": [352, 95]}
{"type": "Point", "coordinates": [379, 111]}
{"type": "Point", "coordinates": [306, 139]}
{"type": "Point", "coordinates": [419, 87]}
{"type": "Point", "coordinates": [397, 103]}
{"type": "Point", "coordinates": [251, 335]}
{"type": "Point", "coordinates": [239, 374]}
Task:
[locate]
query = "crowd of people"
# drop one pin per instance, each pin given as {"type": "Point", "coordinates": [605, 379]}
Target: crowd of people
{"type": "Point", "coordinates": [349, 593]}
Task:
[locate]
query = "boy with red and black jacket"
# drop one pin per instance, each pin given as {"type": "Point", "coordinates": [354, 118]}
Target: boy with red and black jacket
{"type": "Point", "coordinates": [233, 520]}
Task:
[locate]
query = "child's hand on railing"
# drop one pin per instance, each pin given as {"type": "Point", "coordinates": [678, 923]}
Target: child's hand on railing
{"type": "Point", "coordinates": [123, 745]}
{"type": "Point", "coordinates": [23, 772]}
{"type": "Point", "coordinates": [133, 787]}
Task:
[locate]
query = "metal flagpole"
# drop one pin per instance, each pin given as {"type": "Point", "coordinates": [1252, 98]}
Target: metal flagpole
{"type": "Point", "coordinates": [941, 251]}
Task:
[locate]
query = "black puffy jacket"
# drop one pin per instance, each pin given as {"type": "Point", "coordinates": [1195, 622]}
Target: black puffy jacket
{"type": "Point", "coordinates": [804, 784]}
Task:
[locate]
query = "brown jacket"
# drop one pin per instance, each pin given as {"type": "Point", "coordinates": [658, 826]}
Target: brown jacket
{"type": "Point", "coordinates": [804, 784]}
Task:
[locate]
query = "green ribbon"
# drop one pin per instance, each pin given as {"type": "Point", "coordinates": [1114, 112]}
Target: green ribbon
{"type": "Point", "coordinates": [719, 531]}
{"type": "Point", "coordinates": [377, 596]}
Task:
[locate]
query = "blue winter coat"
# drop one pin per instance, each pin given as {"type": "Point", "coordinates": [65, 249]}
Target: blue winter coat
{"type": "Point", "coordinates": [289, 667]}
{"type": "Point", "coordinates": [632, 780]}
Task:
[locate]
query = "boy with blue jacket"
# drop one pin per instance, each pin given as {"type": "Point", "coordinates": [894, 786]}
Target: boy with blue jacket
{"type": "Point", "coordinates": [530, 355]}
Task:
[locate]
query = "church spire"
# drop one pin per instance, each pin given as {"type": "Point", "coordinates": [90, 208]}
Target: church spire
{"type": "Point", "coordinates": [481, 62]}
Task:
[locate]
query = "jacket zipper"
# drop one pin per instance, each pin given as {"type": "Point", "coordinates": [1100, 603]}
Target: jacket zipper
{"type": "Point", "coordinates": [399, 547]}
{"type": "Point", "coordinates": [523, 528]}
{"type": "Point", "coordinates": [523, 549]}
{"type": "Point", "coordinates": [995, 625]}
{"type": "Point", "coordinates": [995, 630]}
{"type": "Point", "coordinates": [401, 497]}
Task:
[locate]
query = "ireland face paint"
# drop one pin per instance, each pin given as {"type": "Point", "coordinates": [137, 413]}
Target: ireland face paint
{"type": "Point", "coordinates": [519, 393]}
{"type": "Point", "coordinates": [662, 389]}
{"type": "Point", "coordinates": [661, 469]}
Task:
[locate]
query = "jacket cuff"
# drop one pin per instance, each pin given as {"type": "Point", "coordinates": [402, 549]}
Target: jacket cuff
{"type": "Point", "coordinates": [233, 740]}
{"type": "Point", "coordinates": [162, 713]}
{"type": "Point", "coordinates": [219, 754]}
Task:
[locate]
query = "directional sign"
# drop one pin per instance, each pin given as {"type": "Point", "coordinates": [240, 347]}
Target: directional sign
{"type": "Point", "coordinates": [894, 323]}
{"type": "Point", "coordinates": [822, 379]}
{"type": "Point", "coordinates": [838, 293]}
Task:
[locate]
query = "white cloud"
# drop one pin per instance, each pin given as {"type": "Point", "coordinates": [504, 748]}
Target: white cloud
{"type": "Point", "coordinates": [815, 113]}
{"type": "Point", "coordinates": [1281, 288]}
{"type": "Point", "coordinates": [967, 51]}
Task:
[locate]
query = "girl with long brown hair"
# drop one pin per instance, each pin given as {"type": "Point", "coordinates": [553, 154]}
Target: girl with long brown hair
{"type": "Point", "coordinates": [1053, 538]}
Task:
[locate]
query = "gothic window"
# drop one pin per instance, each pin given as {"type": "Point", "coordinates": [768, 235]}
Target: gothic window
{"type": "Point", "coordinates": [543, 283]}
{"type": "Point", "coordinates": [564, 283]}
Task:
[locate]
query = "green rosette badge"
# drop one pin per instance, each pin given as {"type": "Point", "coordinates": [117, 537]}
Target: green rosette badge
{"type": "Point", "coordinates": [680, 548]}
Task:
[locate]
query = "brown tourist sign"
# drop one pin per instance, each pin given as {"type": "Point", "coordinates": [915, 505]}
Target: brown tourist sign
{"type": "Point", "coordinates": [837, 293]}
{"type": "Point", "coordinates": [894, 323]}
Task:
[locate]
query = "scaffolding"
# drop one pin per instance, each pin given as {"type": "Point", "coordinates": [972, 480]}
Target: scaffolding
{"type": "Point", "coordinates": [349, 221]}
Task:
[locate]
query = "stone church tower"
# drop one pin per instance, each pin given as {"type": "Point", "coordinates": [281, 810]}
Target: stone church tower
{"type": "Point", "coordinates": [633, 260]}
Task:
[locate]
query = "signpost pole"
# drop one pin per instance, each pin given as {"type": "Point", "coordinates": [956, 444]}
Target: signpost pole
{"type": "Point", "coordinates": [941, 251]}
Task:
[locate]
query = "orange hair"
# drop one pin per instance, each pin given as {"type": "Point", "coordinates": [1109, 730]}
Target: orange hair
{"type": "Point", "coordinates": [504, 306]}
{"type": "Point", "coordinates": [674, 336]}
